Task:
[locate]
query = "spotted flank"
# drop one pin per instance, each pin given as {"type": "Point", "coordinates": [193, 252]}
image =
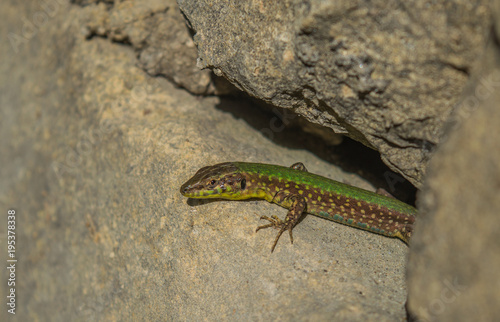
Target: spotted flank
{"type": "Point", "coordinates": [302, 192]}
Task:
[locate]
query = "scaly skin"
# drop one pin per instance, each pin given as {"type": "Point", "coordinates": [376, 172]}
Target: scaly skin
{"type": "Point", "coordinates": [300, 191]}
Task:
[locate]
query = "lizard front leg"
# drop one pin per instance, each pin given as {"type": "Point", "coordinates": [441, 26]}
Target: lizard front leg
{"type": "Point", "coordinates": [297, 207]}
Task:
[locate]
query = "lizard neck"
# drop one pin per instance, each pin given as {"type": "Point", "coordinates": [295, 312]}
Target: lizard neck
{"type": "Point", "coordinates": [260, 186]}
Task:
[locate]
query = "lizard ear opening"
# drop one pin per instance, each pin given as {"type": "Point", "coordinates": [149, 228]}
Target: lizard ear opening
{"type": "Point", "coordinates": [243, 184]}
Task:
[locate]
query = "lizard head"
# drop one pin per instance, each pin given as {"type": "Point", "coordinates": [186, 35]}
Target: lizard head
{"type": "Point", "coordinates": [222, 180]}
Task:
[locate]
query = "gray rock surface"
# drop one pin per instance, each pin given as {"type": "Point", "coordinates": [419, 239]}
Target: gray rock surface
{"type": "Point", "coordinates": [157, 32]}
{"type": "Point", "coordinates": [455, 254]}
{"type": "Point", "coordinates": [386, 74]}
{"type": "Point", "coordinates": [93, 153]}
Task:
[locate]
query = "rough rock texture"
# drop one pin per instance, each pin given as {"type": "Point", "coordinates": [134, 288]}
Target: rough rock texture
{"type": "Point", "coordinates": [455, 253]}
{"type": "Point", "coordinates": [159, 35]}
{"type": "Point", "coordinates": [94, 151]}
{"type": "Point", "coordinates": [386, 74]}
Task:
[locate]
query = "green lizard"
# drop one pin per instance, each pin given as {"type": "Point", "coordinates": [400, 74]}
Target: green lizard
{"type": "Point", "coordinates": [300, 191]}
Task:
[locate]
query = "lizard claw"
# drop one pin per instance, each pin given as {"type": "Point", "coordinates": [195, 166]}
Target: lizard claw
{"type": "Point", "coordinates": [277, 223]}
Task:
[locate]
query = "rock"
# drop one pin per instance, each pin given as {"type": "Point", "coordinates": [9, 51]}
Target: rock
{"type": "Point", "coordinates": [455, 253]}
{"type": "Point", "coordinates": [387, 76]}
{"type": "Point", "coordinates": [159, 35]}
{"type": "Point", "coordinates": [94, 151]}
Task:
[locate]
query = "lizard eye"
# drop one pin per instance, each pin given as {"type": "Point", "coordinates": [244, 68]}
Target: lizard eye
{"type": "Point", "coordinates": [212, 182]}
{"type": "Point", "coordinates": [243, 184]}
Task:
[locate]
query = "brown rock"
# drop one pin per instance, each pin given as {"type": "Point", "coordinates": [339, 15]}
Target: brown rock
{"type": "Point", "coordinates": [94, 151]}
{"type": "Point", "coordinates": [455, 254]}
{"type": "Point", "coordinates": [384, 74]}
